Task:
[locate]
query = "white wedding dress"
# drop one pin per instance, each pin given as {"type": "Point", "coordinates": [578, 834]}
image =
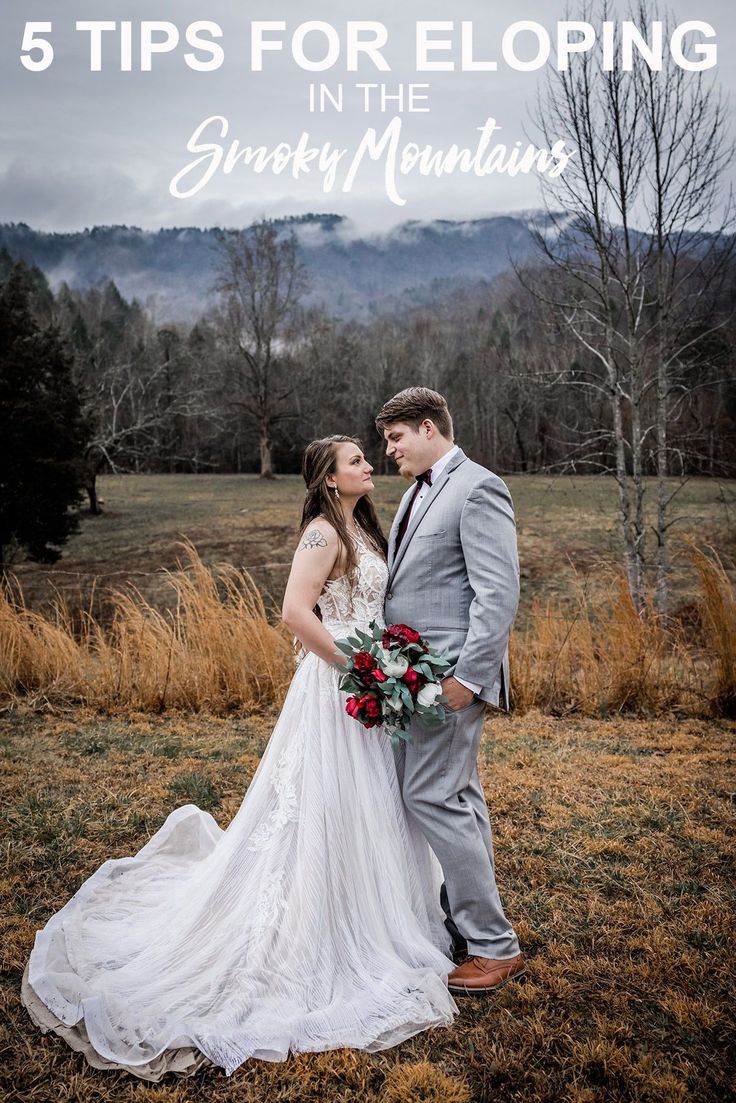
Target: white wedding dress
{"type": "Point", "coordinates": [311, 922]}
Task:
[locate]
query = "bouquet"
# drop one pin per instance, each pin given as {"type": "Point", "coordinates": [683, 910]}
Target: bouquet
{"type": "Point", "coordinates": [391, 676]}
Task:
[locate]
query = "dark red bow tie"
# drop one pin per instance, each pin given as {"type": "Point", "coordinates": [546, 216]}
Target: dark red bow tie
{"type": "Point", "coordinates": [425, 477]}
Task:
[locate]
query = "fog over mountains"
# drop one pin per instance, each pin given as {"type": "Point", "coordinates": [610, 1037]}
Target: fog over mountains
{"type": "Point", "coordinates": [172, 270]}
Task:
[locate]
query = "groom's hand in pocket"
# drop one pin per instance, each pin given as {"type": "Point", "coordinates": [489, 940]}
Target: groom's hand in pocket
{"type": "Point", "coordinates": [458, 695]}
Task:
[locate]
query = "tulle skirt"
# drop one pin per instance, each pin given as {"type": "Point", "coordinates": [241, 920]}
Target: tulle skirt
{"type": "Point", "coordinates": [311, 923]}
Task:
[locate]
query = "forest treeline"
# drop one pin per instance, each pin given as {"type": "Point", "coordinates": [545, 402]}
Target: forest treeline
{"type": "Point", "coordinates": [178, 398]}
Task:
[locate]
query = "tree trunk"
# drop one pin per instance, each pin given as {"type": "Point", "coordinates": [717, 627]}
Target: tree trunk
{"type": "Point", "coordinates": [92, 465]}
{"type": "Point", "coordinates": [637, 476]}
{"type": "Point", "coordinates": [494, 436]}
{"type": "Point", "coordinates": [624, 506]}
{"type": "Point", "coordinates": [663, 563]}
{"type": "Point", "coordinates": [91, 488]}
{"type": "Point", "coordinates": [519, 440]}
{"type": "Point", "coordinates": [267, 471]}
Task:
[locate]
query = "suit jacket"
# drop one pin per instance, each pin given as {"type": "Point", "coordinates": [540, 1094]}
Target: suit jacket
{"type": "Point", "coordinates": [455, 577]}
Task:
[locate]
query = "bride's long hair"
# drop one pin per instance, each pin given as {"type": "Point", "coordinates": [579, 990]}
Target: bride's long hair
{"type": "Point", "coordinates": [319, 461]}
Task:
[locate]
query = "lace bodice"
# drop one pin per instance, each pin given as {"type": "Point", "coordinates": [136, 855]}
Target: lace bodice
{"type": "Point", "coordinates": [342, 609]}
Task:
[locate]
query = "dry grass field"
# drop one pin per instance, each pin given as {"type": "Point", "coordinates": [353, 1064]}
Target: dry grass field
{"type": "Point", "coordinates": [567, 533]}
{"type": "Point", "coordinates": [172, 599]}
{"type": "Point", "coordinates": [612, 787]}
{"type": "Point", "coordinates": [613, 846]}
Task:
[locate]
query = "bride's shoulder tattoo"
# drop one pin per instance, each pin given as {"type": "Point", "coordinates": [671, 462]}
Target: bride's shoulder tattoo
{"type": "Point", "coordinates": [314, 539]}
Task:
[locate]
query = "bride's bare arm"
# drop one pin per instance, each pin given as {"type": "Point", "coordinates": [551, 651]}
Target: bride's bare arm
{"type": "Point", "coordinates": [313, 562]}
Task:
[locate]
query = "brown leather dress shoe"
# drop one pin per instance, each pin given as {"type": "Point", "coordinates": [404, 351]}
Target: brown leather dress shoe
{"type": "Point", "coordinates": [479, 975]}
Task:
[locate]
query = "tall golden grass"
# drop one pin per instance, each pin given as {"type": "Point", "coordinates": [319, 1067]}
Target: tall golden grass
{"type": "Point", "coordinates": [602, 657]}
{"type": "Point", "coordinates": [217, 650]}
{"type": "Point", "coordinates": [719, 623]}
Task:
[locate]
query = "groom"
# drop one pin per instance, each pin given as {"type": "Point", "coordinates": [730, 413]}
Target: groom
{"type": "Point", "coordinates": [454, 576]}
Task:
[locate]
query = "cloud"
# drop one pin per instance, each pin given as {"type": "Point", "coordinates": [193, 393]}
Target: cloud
{"type": "Point", "coordinates": [63, 199]}
{"type": "Point", "coordinates": [82, 148]}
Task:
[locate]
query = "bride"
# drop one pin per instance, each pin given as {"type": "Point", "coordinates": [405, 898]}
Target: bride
{"type": "Point", "coordinates": [312, 922]}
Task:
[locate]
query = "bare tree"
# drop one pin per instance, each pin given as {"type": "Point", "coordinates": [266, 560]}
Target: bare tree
{"type": "Point", "coordinates": [261, 280]}
{"type": "Point", "coordinates": [134, 407]}
{"type": "Point", "coordinates": [140, 385]}
{"type": "Point", "coordinates": [630, 232]}
{"type": "Point", "coordinates": [689, 150]}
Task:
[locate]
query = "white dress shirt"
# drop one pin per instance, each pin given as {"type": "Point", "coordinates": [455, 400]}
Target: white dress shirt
{"type": "Point", "coordinates": [436, 470]}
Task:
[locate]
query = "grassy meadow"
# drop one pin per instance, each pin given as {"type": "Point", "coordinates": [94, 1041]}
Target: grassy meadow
{"type": "Point", "coordinates": [157, 602]}
{"type": "Point", "coordinates": [611, 786]}
{"type": "Point", "coordinates": [613, 841]}
{"type": "Point", "coordinates": [566, 526]}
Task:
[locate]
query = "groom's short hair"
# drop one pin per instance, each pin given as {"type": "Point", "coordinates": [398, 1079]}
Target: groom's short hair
{"type": "Point", "coordinates": [412, 406]}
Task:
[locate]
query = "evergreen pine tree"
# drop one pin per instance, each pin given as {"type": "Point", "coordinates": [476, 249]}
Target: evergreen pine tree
{"type": "Point", "coordinates": [42, 430]}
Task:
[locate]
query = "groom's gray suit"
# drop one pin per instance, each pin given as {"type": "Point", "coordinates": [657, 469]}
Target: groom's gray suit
{"type": "Point", "coordinates": [455, 578]}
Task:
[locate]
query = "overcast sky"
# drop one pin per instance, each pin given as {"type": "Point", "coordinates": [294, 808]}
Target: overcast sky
{"type": "Point", "coordinates": [81, 148]}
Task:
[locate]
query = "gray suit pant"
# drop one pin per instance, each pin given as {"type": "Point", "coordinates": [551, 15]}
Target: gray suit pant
{"type": "Point", "coordinates": [438, 775]}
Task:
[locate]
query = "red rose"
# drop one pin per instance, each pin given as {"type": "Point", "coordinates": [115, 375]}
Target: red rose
{"type": "Point", "coordinates": [365, 668]}
{"type": "Point", "coordinates": [379, 676]}
{"type": "Point", "coordinates": [363, 662]}
{"type": "Point", "coordinates": [400, 634]}
{"type": "Point", "coordinates": [353, 707]}
{"type": "Point", "coordinates": [366, 709]}
{"type": "Point", "coordinates": [413, 680]}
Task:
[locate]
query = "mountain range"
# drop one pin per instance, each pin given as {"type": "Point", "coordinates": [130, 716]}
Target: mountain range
{"type": "Point", "coordinates": [172, 271]}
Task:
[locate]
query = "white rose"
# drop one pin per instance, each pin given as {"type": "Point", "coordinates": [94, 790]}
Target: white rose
{"type": "Point", "coordinates": [395, 667]}
{"type": "Point", "coordinates": [428, 694]}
